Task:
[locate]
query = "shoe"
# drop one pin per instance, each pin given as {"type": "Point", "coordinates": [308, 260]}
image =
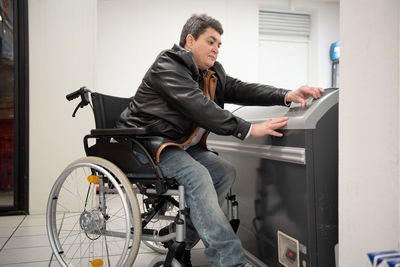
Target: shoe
{"type": "Point", "coordinates": [185, 261]}
{"type": "Point", "coordinates": [184, 258]}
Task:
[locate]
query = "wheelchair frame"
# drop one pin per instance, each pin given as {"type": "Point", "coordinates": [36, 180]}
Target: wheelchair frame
{"type": "Point", "coordinates": [112, 173]}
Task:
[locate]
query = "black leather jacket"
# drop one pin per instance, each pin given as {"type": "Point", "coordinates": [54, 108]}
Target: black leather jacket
{"type": "Point", "coordinates": [170, 101]}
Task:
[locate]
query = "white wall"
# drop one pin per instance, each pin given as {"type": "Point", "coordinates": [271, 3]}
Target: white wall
{"type": "Point", "coordinates": [324, 31]}
{"type": "Point", "coordinates": [62, 38]}
{"type": "Point", "coordinates": [132, 33]}
{"type": "Point", "coordinates": [327, 32]}
{"type": "Point", "coordinates": [368, 129]}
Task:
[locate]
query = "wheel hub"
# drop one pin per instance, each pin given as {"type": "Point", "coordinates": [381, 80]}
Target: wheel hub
{"type": "Point", "coordinates": [91, 222]}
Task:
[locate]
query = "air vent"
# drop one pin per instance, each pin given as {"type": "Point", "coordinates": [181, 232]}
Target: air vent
{"type": "Point", "coordinates": [272, 23]}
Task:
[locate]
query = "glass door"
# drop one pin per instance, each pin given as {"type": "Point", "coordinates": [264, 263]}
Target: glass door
{"type": "Point", "coordinates": [13, 106]}
{"type": "Point", "coordinates": [6, 105]}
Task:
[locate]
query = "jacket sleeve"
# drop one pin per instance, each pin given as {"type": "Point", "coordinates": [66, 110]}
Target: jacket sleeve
{"type": "Point", "coordinates": [174, 77]}
{"type": "Point", "coordinates": [252, 94]}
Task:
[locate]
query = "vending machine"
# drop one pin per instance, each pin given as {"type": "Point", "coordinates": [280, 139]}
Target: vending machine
{"type": "Point", "coordinates": [287, 187]}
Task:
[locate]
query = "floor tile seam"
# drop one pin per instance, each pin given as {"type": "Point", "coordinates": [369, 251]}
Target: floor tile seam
{"type": "Point", "coordinates": [25, 262]}
{"type": "Point", "coordinates": [7, 227]}
{"type": "Point", "coordinates": [25, 226]}
{"type": "Point", "coordinates": [11, 218]}
{"type": "Point", "coordinates": [52, 258]}
{"type": "Point", "coordinates": [8, 223]}
{"type": "Point", "coordinates": [27, 235]}
{"type": "Point", "coordinates": [39, 246]}
{"type": "Point", "coordinates": [16, 228]}
{"type": "Point", "coordinates": [31, 226]}
{"type": "Point", "coordinates": [32, 235]}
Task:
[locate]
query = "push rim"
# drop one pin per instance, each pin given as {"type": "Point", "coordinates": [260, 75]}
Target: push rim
{"type": "Point", "coordinates": [87, 225]}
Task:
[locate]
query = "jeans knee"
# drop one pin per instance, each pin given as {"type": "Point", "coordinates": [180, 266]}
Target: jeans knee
{"type": "Point", "coordinates": [229, 176]}
{"type": "Point", "coordinates": [198, 179]}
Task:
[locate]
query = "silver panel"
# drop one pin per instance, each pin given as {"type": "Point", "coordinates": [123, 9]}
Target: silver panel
{"type": "Point", "coordinates": [287, 154]}
{"type": "Point", "coordinates": [299, 118]}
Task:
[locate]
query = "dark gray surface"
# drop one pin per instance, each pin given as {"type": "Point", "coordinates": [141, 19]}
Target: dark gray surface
{"type": "Point", "coordinates": [299, 199]}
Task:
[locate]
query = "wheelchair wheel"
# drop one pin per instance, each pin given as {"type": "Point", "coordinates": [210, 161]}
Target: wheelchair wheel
{"type": "Point", "coordinates": [93, 217]}
{"type": "Point", "coordinates": [159, 261]}
{"type": "Point", "coordinates": [164, 218]}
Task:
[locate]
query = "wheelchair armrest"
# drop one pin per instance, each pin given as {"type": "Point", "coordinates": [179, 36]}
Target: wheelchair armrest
{"type": "Point", "coordinates": [118, 132]}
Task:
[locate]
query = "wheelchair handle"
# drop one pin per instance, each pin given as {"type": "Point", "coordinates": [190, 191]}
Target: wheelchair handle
{"type": "Point", "coordinates": [82, 92]}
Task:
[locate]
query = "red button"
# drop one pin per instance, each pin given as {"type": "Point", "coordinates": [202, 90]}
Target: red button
{"type": "Point", "coordinates": [291, 254]}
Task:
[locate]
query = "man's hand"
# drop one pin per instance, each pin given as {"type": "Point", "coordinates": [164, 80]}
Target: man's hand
{"type": "Point", "coordinates": [268, 127]}
{"type": "Point", "coordinates": [303, 93]}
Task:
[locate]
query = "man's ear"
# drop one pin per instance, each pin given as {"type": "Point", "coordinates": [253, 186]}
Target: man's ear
{"type": "Point", "coordinates": [189, 41]}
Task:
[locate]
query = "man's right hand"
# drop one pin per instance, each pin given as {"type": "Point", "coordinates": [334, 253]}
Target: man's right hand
{"type": "Point", "coordinates": [268, 127]}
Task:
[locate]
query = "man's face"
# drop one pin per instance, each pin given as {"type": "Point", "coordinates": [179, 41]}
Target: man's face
{"type": "Point", "coordinates": [205, 49]}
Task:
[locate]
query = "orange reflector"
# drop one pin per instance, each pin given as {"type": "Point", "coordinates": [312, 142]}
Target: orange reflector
{"type": "Point", "coordinates": [96, 263]}
{"type": "Point", "coordinates": [93, 179]}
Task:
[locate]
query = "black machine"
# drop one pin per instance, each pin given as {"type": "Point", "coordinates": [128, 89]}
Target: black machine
{"type": "Point", "coordinates": [287, 186]}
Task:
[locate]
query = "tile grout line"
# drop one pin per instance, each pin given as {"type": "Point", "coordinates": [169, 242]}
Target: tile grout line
{"type": "Point", "coordinates": [5, 243]}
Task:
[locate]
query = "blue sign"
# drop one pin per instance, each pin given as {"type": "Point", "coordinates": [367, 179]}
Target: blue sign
{"type": "Point", "coordinates": [335, 51]}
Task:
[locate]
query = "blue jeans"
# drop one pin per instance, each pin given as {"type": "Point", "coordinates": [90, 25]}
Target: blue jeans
{"type": "Point", "coordinates": [207, 179]}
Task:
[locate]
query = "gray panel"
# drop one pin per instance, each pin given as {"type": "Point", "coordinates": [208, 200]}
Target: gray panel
{"type": "Point", "coordinates": [299, 118]}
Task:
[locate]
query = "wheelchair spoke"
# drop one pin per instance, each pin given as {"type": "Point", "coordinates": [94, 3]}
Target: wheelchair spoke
{"type": "Point", "coordinates": [115, 217]}
{"type": "Point", "coordinates": [72, 193]}
{"type": "Point", "coordinates": [91, 223]}
{"type": "Point", "coordinates": [87, 195]}
{"type": "Point", "coordinates": [64, 207]}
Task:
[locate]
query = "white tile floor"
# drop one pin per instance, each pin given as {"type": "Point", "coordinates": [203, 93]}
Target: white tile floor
{"type": "Point", "coordinates": [23, 242]}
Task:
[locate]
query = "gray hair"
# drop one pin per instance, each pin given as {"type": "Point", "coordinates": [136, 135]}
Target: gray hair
{"type": "Point", "coordinates": [196, 25]}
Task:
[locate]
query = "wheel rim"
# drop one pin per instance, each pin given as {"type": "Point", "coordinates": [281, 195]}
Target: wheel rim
{"type": "Point", "coordinates": [84, 227]}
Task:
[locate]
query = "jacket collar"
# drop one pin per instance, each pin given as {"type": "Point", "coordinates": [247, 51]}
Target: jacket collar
{"type": "Point", "coordinates": [188, 58]}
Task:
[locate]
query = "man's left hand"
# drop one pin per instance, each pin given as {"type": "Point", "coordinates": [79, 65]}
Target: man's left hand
{"type": "Point", "coordinates": [303, 93]}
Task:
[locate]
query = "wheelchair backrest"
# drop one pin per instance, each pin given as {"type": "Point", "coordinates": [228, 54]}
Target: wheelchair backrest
{"type": "Point", "coordinates": [107, 109]}
{"type": "Point", "coordinates": [120, 150]}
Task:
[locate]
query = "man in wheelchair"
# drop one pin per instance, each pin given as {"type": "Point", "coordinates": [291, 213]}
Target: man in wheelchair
{"type": "Point", "coordinates": [180, 100]}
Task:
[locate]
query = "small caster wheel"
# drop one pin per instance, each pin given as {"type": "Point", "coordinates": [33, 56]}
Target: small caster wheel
{"type": "Point", "coordinates": [159, 261]}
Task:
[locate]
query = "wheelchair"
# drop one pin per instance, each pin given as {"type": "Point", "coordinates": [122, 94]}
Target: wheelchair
{"type": "Point", "coordinates": [95, 215]}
